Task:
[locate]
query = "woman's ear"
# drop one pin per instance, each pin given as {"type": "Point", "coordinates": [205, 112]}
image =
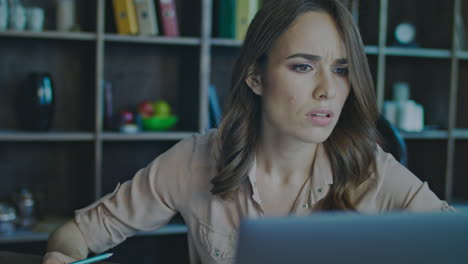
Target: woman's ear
{"type": "Point", "coordinates": [254, 80]}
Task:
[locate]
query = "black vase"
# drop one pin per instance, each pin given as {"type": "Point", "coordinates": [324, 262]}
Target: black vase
{"type": "Point", "coordinates": [35, 102]}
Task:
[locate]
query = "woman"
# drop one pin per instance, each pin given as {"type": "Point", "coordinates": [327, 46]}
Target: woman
{"type": "Point", "coordinates": [298, 137]}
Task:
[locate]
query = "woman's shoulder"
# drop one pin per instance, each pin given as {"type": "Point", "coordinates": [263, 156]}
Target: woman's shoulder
{"type": "Point", "coordinates": [195, 145]}
{"type": "Point", "coordinates": [194, 154]}
{"type": "Point", "coordinates": [388, 169]}
{"type": "Point", "coordinates": [198, 146]}
{"type": "Point", "coordinates": [396, 187]}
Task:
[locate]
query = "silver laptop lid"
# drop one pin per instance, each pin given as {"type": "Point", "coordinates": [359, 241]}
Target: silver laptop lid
{"type": "Point", "coordinates": [356, 238]}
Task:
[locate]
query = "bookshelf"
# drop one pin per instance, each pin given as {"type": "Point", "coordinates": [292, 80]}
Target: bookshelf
{"type": "Point", "coordinates": [87, 161]}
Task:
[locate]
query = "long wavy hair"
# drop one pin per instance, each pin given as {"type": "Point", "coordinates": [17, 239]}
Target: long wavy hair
{"type": "Point", "coordinates": [351, 146]}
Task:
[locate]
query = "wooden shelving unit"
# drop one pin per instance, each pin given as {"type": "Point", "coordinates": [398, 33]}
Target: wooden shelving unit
{"type": "Point", "coordinates": [49, 35]}
{"type": "Point", "coordinates": [116, 136]}
{"type": "Point", "coordinates": [50, 136]}
{"type": "Point", "coordinates": [180, 70]}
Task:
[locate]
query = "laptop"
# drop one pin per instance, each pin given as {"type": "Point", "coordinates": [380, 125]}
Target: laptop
{"type": "Point", "coordinates": [328, 238]}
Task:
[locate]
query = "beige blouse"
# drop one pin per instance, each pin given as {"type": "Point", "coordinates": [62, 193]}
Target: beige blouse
{"type": "Point", "coordinates": [179, 181]}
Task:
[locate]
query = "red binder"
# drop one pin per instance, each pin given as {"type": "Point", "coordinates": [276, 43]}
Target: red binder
{"type": "Point", "coordinates": [167, 11]}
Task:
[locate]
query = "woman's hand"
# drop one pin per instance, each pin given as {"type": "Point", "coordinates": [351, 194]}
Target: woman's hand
{"type": "Point", "coordinates": [56, 257]}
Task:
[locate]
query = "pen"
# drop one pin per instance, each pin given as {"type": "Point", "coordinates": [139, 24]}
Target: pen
{"type": "Point", "coordinates": [93, 259]}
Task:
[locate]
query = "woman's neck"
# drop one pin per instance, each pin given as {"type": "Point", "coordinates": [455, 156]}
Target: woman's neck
{"type": "Point", "coordinates": [284, 157]}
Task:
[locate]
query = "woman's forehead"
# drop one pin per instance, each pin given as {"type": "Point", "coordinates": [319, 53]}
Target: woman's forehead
{"type": "Point", "coordinates": [314, 33]}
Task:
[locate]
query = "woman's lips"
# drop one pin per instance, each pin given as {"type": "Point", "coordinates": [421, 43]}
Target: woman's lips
{"type": "Point", "coordinates": [321, 117]}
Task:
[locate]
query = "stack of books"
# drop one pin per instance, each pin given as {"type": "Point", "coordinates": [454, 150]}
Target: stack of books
{"type": "Point", "coordinates": [234, 17]}
{"type": "Point", "coordinates": [140, 17]}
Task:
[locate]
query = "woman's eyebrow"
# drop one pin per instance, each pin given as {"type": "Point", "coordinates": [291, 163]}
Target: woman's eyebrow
{"type": "Point", "coordinates": [341, 61]}
{"type": "Point", "coordinates": [313, 57]}
{"type": "Point", "coordinates": [310, 57]}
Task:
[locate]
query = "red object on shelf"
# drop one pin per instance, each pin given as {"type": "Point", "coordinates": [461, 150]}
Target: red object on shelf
{"type": "Point", "coordinates": [127, 117]}
{"type": "Point", "coordinates": [168, 15]}
{"type": "Point", "coordinates": [145, 108]}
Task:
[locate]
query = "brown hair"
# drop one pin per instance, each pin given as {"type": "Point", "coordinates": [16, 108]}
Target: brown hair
{"type": "Point", "coordinates": [351, 146]}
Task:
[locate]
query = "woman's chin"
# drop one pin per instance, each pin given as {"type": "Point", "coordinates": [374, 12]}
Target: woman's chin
{"type": "Point", "coordinates": [315, 136]}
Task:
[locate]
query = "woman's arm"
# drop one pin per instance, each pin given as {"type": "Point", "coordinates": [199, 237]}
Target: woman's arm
{"type": "Point", "coordinates": [67, 240]}
{"type": "Point", "coordinates": [400, 189]}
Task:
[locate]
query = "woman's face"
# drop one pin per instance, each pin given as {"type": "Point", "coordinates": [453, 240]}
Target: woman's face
{"type": "Point", "coordinates": [304, 84]}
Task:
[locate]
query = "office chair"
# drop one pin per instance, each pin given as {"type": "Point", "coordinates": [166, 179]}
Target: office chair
{"type": "Point", "coordinates": [393, 141]}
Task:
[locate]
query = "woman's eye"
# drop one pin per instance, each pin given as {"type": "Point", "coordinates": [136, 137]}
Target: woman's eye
{"type": "Point", "coordinates": [341, 71]}
{"type": "Point", "coordinates": [302, 67]}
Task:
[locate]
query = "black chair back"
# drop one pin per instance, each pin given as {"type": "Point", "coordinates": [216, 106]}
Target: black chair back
{"type": "Point", "coordinates": [393, 141]}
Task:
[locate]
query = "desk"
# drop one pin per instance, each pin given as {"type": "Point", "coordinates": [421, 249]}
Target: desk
{"type": "Point", "coordinates": [19, 258]}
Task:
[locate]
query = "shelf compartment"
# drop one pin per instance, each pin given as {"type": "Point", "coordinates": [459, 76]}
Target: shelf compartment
{"type": "Point", "coordinates": [60, 174]}
{"type": "Point", "coordinates": [416, 52]}
{"type": "Point", "coordinates": [153, 40]}
{"type": "Point", "coordinates": [460, 181]}
{"type": "Point", "coordinates": [368, 21]}
{"type": "Point", "coordinates": [427, 160]}
{"type": "Point", "coordinates": [84, 36]}
{"type": "Point", "coordinates": [146, 136]}
{"type": "Point", "coordinates": [222, 64]}
{"type": "Point", "coordinates": [462, 96]}
{"type": "Point", "coordinates": [463, 43]}
{"type": "Point", "coordinates": [85, 15]}
{"type": "Point", "coordinates": [45, 136]}
{"type": "Point", "coordinates": [71, 65]}
{"type": "Point", "coordinates": [188, 17]}
{"type": "Point", "coordinates": [432, 91]}
{"type": "Point", "coordinates": [408, 11]}
{"type": "Point", "coordinates": [167, 73]}
{"type": "Point", "coordinates": [120, 161]}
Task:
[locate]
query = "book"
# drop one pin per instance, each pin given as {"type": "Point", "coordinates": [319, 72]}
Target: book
{"type": "Point", "coordinates": [461, 25]}
{"type": "Point", "coordinates": [146, 16]}
{"type": "Point", "coordinates": [168, 16]}
{"type": "Point", "coordinates": [215, 114]}
{"type": "Point", "coordinates": [108, 106]}
{"type": "Point", "coordinates": [125, 17]}
{"type": "Point", "coordinates": [226, 19]}
{"type": "Point", "coordinates": [245, 12]}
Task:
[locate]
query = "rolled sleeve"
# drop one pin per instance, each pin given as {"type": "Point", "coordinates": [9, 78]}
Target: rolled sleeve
{"type": "Point", "coordinates": [145, 203]}
{"type": "Point", "coordinates": [401, 189]}
{"type": "Point", "coordinates": [425, 200]}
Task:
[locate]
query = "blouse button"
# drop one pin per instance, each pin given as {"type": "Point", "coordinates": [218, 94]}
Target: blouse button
{"type": "Point", "coordinates": [305, 206]}
{"type": "Point", "coordinates": [319, 190]}
{"type": "Point", "coordinates": [217, 253]}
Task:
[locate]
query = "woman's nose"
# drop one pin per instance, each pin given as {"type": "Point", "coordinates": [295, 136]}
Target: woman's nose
{"type": "Point", "coordinates": [325, 88]}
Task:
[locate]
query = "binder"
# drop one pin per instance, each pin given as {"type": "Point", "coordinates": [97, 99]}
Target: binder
{"type": "Point", "coordinates": [146, 16]}
{"type": "Point", "coordinates": [125, 17]}
{"type": "Point", "coordinates": [227, 19]}
{"type": "Point", "coordinates": [168, 15]}
{"type": "Point", "coordinates": [215, 108]}
{"type": "Point", "coordinates": [245, 12]}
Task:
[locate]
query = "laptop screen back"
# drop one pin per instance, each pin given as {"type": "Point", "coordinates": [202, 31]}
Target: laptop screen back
{"type": "Point", "coordinates": [353, 238]}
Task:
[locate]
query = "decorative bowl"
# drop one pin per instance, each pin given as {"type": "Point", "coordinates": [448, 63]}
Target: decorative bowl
{"type": "Point", "coordinates": [159, 123]}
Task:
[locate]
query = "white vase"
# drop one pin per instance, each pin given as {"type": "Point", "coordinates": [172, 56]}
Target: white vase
{"type": "Point", "coordinates": [17, 18]}
{"type": "Point", "coordinates": [3, 15]}
{"type": "Point", "coordinates": [35, 18]}
{"type": "Point", "coordinates": [65, 15]}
